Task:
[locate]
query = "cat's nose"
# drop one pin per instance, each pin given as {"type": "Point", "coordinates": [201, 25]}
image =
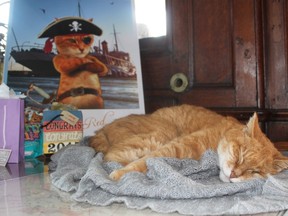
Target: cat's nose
{"type": "Point", "coordinates": [81, 50]}
{"type": "Point", "coordinates": [232, 174]}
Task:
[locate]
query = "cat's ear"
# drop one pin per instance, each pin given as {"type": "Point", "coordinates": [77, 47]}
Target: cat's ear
{"type": "Point", "coordinates": [280, 163]}
{"type": "Point", "coordinates": [253, 128]}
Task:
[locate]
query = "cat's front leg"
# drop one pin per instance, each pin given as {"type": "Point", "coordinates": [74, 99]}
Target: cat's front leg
{"type": "Point", "coordinates": [138, 165]}
{"type": "Point", "coordinates": [186, 146]}
{"type": "Point", "coordinates": [96, 66]}
{"type": "Point", "coordinates": [66, 64]}
{"type": "Point", "coordinates": [178, 148]}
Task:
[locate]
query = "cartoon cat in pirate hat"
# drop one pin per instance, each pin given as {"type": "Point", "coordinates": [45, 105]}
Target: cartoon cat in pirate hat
{"type": "Point", "coordinates": [79, 72]}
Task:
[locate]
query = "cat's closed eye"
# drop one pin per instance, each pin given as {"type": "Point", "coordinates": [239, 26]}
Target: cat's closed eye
{"type": "Point", "coordinates": [71, 40]}
{"type": "Point", "coordinates": [255, 171]}
{"type": "Point", "coordinates": [251, 171]}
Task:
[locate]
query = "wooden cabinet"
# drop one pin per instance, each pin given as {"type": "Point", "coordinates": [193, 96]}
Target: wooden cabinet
{"type": "Point", "coordinates": [233, 54]}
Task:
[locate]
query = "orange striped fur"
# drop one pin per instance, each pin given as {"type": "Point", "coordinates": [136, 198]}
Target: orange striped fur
{"type": "Point", "coordinates": [187, 131]}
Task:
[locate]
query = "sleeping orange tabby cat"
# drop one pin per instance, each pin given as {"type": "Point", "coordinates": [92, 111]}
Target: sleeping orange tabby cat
{"type": "Point", "coordinates": [187, 131]}
{"type": "Point", "coordinates": [79, 81]}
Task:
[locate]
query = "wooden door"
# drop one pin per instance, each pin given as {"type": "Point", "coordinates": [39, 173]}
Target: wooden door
{"type": "Point", "coordinates": [214, 43]}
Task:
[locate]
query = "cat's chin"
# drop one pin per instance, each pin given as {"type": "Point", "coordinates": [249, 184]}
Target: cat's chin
{"type": "Point", "coordinates": [223, 177]}
{"type": "Point", "coordinates": [81, 55]}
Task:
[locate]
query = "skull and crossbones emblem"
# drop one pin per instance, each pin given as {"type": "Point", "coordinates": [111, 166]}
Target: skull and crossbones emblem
{"type": "Point", "coordinates": [75, 26]}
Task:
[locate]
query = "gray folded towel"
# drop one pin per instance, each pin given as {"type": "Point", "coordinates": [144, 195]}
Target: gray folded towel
{"type": "Point", "coordinates": [171, 185]}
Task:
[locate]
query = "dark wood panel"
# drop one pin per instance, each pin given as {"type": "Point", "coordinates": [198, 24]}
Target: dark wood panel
{"type": "Point", "coordinates": [221, 97]}
{"type": "Point", "coordinates": [276, 54]}
{"type": "Point", "coordinates": [179, 37]}
{"type": "Point", "coordinates": [277, 131]}
{"type": "Point", "coordinates": [222, 40]}
{"type": "Point", "coordinates": [245, 42]}
{"type": "Point", "coordinates": [156, 72]}
{"type": "Point", "coordinates": [282, 146]}
{"type": "Point", "coordinates": [157, 101]}
{"type": "Point", "coordinates": [212, 43]}
{"type": "Point", "coordinates": [259, 16]}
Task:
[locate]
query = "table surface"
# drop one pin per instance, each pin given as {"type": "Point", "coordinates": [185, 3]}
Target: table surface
{"type": "Point", "coordinates": [26, 190]}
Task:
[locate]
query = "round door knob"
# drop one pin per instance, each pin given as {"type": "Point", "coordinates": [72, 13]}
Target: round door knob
{"type": "Point", "coordinates": [179, 82]}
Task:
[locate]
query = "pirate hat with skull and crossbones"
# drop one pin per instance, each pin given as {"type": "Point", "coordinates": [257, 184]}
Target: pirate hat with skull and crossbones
{"type": "Point", "coordinates": [70, 25]}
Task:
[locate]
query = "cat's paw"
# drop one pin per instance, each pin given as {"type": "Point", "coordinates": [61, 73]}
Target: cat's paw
{"type": "Point", "coordinates": [117, 174]}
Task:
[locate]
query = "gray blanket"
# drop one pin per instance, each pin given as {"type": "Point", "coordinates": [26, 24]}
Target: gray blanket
{"type": "Point", "coordinates": [170, 185]}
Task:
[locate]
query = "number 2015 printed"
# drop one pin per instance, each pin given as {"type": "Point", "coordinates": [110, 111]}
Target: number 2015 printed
{"type": "Point", "coordinates": [54, 147]}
